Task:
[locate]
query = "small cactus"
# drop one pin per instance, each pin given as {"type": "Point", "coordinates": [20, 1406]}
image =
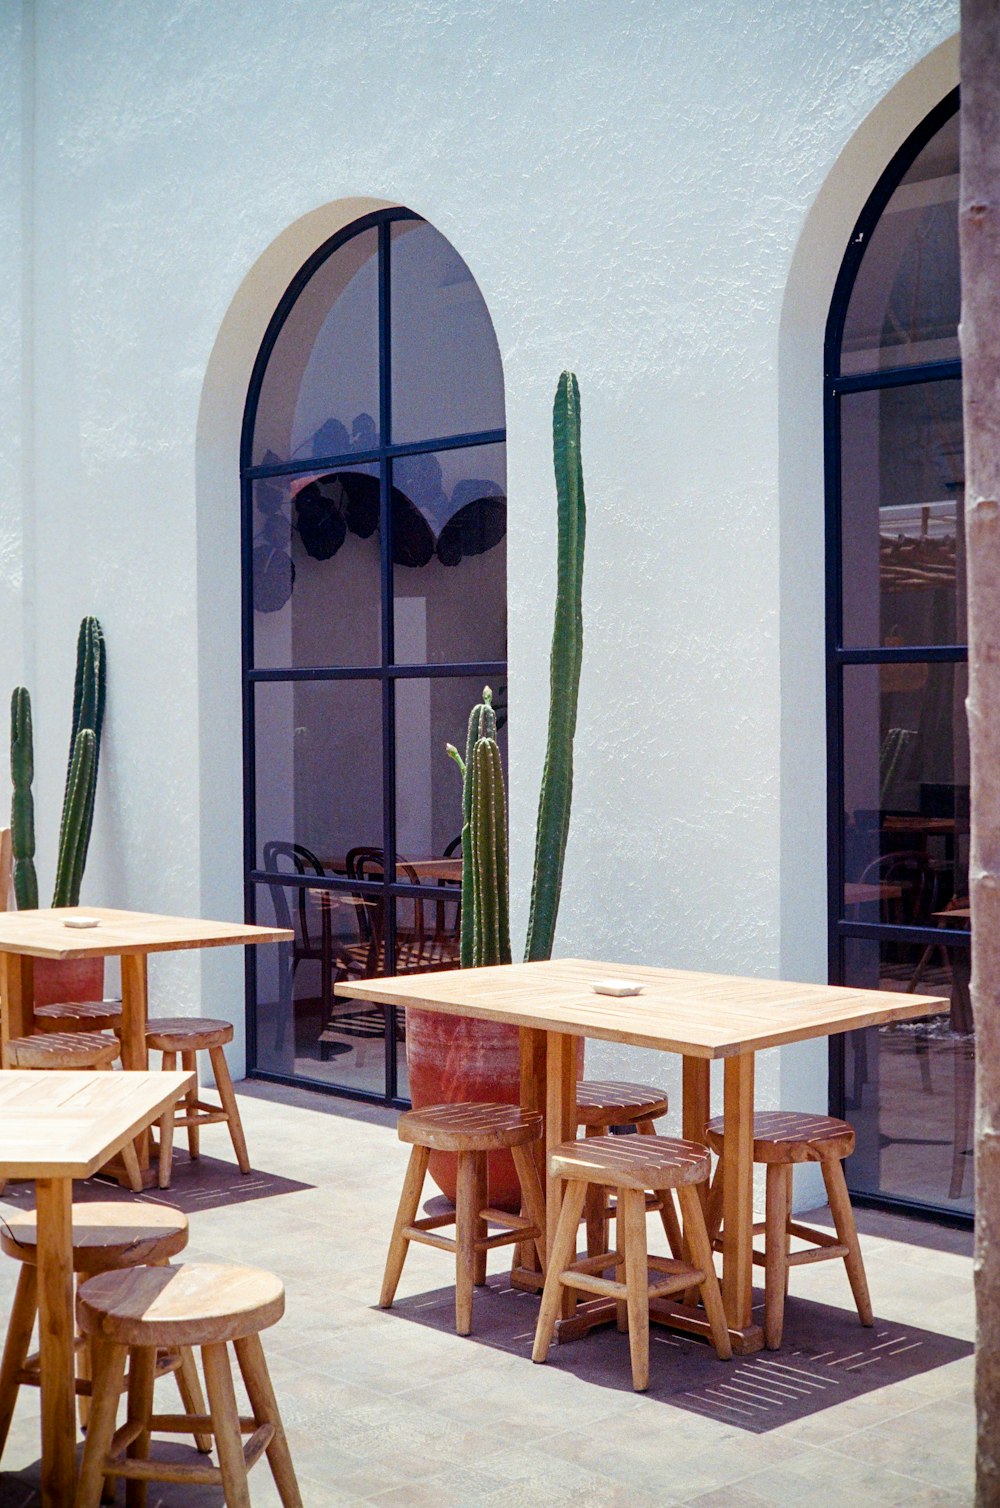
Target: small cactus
{"type": "Point", "coordinates": [75, 832]}
{"type": "Point", "coordinates": [485, 933]}
{"type": "Point", "coordinates": [22, 816]}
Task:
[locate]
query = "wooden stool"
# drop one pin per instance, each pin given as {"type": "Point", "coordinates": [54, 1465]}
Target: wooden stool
{"type": "Point", "coordinates": [470, 1131]}
{"type": "Point", "coordinates": [631, 1166]}
{"type": "Point", "coordinates": [782, 1138]}
{"type": "Point", "coordinates": [134, 1314]}
{"type": "Point", "coordinates": [186, 1036]}
{"type": "Point", "coordinates": [105, 1237]}
{"type": "Point", "coordinates": [74, 1050]}
{"type": "Point", "coordinates": [80, 1016]}
{"type": "Point", "coordinates": [601, 1104]}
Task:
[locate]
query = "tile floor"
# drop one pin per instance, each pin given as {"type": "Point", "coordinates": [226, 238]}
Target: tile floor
{"type": "Point", "coordinates": [393, 1408]}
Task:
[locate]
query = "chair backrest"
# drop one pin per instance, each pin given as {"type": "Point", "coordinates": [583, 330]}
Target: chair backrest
{"type": "Point", "coordinates": [6, 867]}
{"type": "Point", "coordinates": [291, 858]}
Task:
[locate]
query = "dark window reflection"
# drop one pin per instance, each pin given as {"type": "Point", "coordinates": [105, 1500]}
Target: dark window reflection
{"type": "Point", "coordinates": [905, 303]}
{"type": "Point", "coordinates": [909, 1086]}
{"type": "Point", "coordinates": [320, 394]}
{"type": "Point", "coordinates": [906, 792]}
{"type": "Point", "coordinates": [318, 767]}
{"type": "Point", "coordinates": [902, 516]}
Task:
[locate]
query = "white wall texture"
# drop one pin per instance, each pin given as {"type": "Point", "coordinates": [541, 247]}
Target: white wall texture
{"type": "Point", "coordinates": [656, 195]}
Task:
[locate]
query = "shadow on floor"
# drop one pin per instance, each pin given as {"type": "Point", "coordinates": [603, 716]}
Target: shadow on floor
{"type": "Point", "coordinates": [206, 1184]}
{"type": "Point", "coordinates": [826, 1357]}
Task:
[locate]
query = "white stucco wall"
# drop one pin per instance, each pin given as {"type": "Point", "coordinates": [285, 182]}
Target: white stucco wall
{"type": "Point", "coordinates": [629, 183]}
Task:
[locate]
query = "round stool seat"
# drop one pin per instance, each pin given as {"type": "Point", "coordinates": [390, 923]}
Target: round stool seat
{"type": "Point", "coordinates": [785, 1136]}
{"type": "Point", "coordinates": [63, 1050]}
{"type": "Point", "coordinates": [80, 1015]}
{"type": "Point", "coordinates": [632, 1162]}
{"type": "Point", "coordinates": [105, 1236]}
{"type": "Point", "coordinates": [187, 1034]}
{"type": "Point", "coordinates": [601, 1102]}
{"type": "Point", "coordinates": [196, 1304]}
{"type": "Point", "coordinates": [469, 1127]}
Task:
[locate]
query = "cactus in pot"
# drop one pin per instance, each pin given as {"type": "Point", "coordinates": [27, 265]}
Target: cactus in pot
{"type": "Point", "coordinates": [485, 935]}
{"type": "Point", "coordinates": [81, 776]}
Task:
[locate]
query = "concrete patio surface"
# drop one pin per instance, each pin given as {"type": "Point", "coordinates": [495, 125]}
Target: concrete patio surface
{"type": "Point", "coordinates": [393, 1408]}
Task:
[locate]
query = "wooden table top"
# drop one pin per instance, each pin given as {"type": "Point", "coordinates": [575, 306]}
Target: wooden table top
{"type": "Point", "coordinates": [700, 1015]}
{"type": "Point", "coordinates": [44, 934]}
{"type": "Point", "coordinates": [67, 1124]}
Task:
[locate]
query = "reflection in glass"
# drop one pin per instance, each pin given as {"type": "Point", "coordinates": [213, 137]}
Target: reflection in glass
{"type": "Point", "coordinates": [320, 393]}
{"type": "Point", "coordinates": [905, 302]}
{"type": "Point", "coordinates": [449, 541]}
{"type": "Point", "coordinates": [318, 767]}
{"type": "Point", "coordinates": [303, 1028]}
{"type": "Point", "coordinates": [316, 574]}
{"type": "Point", "coordinates": [446, 373]}
{"type": "Point", "coordinates": [909, 1085]}
{"type": "Point", "coordinates": [906, 792]}
{"type": "Point", "coordinates": [902, 515]}
{"type": "Point", "coordinates": [430, 714]}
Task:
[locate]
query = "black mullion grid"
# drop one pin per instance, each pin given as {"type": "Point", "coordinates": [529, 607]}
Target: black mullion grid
{"type": "Point", "coordinates": [378, 672]}
{"type": "Point", "coordinates": [361, 457]}
{"type": "Point", "coordinates": [388, 646]}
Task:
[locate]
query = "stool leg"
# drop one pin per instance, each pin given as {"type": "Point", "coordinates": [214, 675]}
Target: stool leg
{"type": "Point", "coordinates": [141, 1370]}
{"type": "Point", "coordinates": [130, 1162]}
{"type": "Point", "coordinates": [563, 1252]}
{"type": "Point", "coordinates": [671, 1225]}
{"type": "Point", "coordinates": [696, 1236]}
{"type": "Point", "coordinates": [776, 1214]}
{"type": "Point", "coordinates": [19, 1328]}
{"type": "Point", "coordinates": [621, 1268]}
{"type": "Point", "coordinates": [250, 1355]}
{"type": "Point", "coordinates": [596, 1209]}
{"type": "Point", "coordinates": [632, 1225]}
{"type": "Point", "coordinates": [109, 1373]}
{"type": "Point", "coordinates": [482, 1229]}
{"type": "Point", "coordinates": [226, 1425]}
{"type": "Point", "coordinates": [790, 1181]}
{"type": "Point", "coordinates": [465, 1236]}
{"type": "Point", "coordinates": [847, 1234]}
{"type": "Point", "coordinates": [409, 1203]}
{"type": "Point", "coordinates": [532, 1196]}
{"type": "Point", "coordinates": [192, 1398]}
{"type": "Point", "coordinates": [189, 1060]}
{"type": "Point", "coordinates": [224, 1085]}
{"type": "Point", "coordinates": [167, 1129]}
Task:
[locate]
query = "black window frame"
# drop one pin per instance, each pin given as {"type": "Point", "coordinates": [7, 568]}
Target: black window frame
{"type": "Point", "coordinates": [835, 387]}
{"type": "Point", "coordinates": [386, 672]}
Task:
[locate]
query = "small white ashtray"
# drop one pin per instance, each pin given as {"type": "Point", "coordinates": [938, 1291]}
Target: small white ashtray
{"type": "Point", "coordinates": [615, 987]}
{"type": "Point", "coordinates": [82, 921]}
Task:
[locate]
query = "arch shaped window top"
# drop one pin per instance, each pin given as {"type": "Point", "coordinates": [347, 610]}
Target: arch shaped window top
{"type": "Point", "coordinates": [904, 306]}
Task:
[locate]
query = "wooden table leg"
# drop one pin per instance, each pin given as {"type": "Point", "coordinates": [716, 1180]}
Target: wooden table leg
{"type": "Point", "coordinates": [560, 1126]}
{"type": "Point", "coordinates": [17, 991]}
{"type": "Point", "coordinates": [133, 1038]}
{"type": "Point", "coordinates": [527, 1272]}
{"type": "Point", "coordinates": [55, 1328]}
{"type": "Point", "coordinates": [696, 1108]}
{"type": "Point", "coordinates": [737, 1205]}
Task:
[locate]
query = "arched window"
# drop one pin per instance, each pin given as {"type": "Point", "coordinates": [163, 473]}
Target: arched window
{"type": "Point", "coordinates": [897, 676]}
{"type": "Point", "coordinates": [374, 524]}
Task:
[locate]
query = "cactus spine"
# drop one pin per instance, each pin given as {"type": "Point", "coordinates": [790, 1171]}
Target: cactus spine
{"type": "Point", "coordinates": [485, 934]}
{"type": "Point", "coordinates": [566, 659]}
{"type": "Point", "coordinates": [89, 690]}
{"type": "Point", "coordinates": [22, 816]}
{"type": "Point", "coordinates": [81, 776]}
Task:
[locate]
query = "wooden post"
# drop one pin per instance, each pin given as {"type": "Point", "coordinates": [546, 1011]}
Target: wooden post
{"type": "Point", "coordinates": [55, 1337]}
{"type": "Point", "coordinates": [560, 1126]}
{"type": "Point", "coordinates": [737, 1192]}
{"type": "Point", "coordinates": [17, 989]}
{"type": "Point", "coordinates": [979, 239]}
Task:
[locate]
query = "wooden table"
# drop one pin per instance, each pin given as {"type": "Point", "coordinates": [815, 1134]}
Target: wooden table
{"type": "Point", "coordinates": [701, 1016]}
{"type": "Point", "coordinates": [132, 936]}
{"type": "Point", "coordinates": [55, 1127]}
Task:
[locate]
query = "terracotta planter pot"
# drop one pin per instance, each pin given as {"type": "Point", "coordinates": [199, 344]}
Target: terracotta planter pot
{"type": "Point", "coordinates": [455, 1058]}
{"type": "Point", "coordinates": [59, 979]}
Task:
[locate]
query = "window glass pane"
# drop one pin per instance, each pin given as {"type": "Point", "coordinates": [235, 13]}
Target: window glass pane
{"type": "Point", "coordinates": [905, 302]}
{"type": "Point", "coordinates": [318, 770]}
{"type": "Point", "coordinates": [446, 373]}
{"type": "Point", "coordinates": [320, 394]}
{"type": "Point", "coordinates": [902, 522]}
{"type": "Point", "coordinates": [316, 570]}
{"type": "Point", "coordinates": [302, 1027]}
{"type": "Point", "coordinates": [906, 792]}
{"type": "Point", "coordinates": [430, 714]}
{"type": "Point", "coordinates": [450, 549]}
{"type": "Point", "coordinates": [909, 1086]}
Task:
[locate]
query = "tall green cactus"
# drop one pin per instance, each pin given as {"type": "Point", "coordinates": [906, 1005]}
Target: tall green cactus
{"type": "Point", "coordinates": [485, 935]}
{"type": "Point", "coordinates": [81, 776]}
{"type": "Point", "coordinates": [22, 816]}
{"type": "Point", "coordinates": [564, 674]}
